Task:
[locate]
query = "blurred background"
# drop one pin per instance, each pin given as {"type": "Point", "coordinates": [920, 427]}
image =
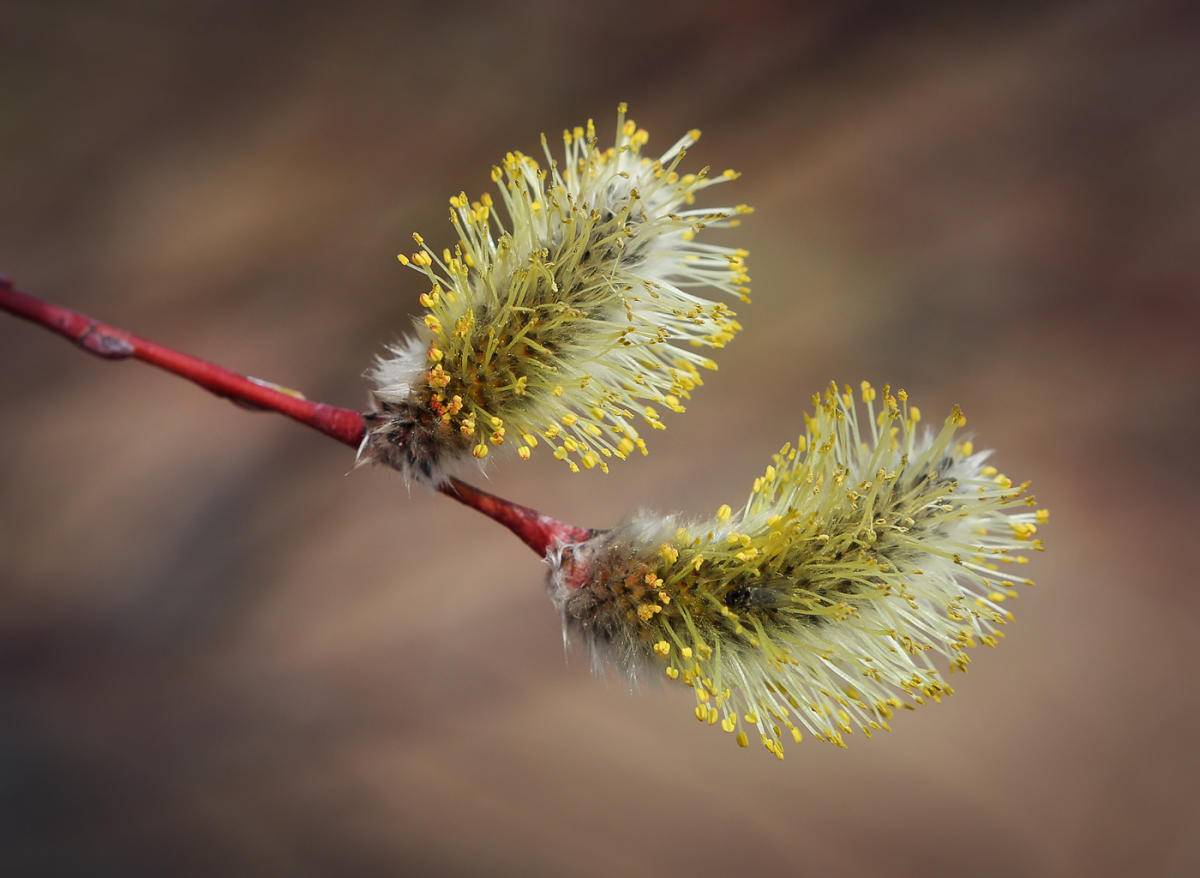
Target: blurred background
{"type": "Point", "coordinates": [220, 653]}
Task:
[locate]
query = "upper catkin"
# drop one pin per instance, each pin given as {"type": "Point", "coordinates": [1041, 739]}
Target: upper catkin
{"type": "Point", "coordinates": [866, 547]}
{"type": "Point", "coordinates": [569, 321]}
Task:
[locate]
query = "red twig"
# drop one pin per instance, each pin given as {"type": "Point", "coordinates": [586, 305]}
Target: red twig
{"type": "Point", "coordinates": [539, 532]}
{"type": "Point", "coordinates": [112, 343]}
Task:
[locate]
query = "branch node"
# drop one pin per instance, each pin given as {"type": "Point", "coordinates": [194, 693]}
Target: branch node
{"type": "Point", "coordinates": [104, 344]}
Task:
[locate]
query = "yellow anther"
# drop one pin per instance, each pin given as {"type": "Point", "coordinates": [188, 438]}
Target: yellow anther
{"type": "Point", "coordinates": [646, 612]}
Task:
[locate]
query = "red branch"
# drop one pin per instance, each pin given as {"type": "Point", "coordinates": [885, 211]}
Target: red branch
{"type": "Point", "coordinates": [539, 532]}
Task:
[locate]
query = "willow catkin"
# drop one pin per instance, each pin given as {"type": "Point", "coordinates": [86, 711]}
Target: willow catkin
{"type": "Point", "coordinates": [865, 548]}
{"type": "Point", "coordinates": [571, 322]}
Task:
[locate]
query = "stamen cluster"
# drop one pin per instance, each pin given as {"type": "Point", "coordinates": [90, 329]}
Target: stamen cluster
{"type": "Point", "coordinates": [866, 547]}
{"type": "Point", "coordinates": [571, 322]}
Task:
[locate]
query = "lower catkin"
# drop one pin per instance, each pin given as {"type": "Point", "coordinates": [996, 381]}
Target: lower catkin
{"type": "Point", "coordinates": [868, 546]}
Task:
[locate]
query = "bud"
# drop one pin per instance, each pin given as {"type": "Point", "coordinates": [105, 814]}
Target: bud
{"type": "Point", "coordinates": [865, 548]}
{"type": "Point", "coordinates": [569, 326]}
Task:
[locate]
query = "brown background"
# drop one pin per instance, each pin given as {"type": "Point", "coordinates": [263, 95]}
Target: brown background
{"type": "Point", "coordinates": [219, 654]}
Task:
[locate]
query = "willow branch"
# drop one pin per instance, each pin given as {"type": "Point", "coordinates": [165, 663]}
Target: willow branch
{"type": "Point", "coordinates": [539, 532]}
